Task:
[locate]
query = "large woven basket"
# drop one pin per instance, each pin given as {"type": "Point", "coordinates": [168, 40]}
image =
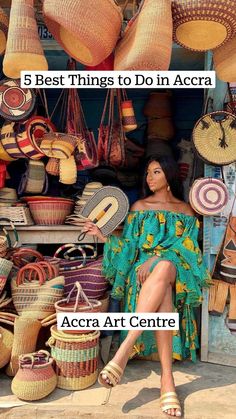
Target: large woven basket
{"type": "Point", "coordinates": [147, 41]}
{"type": "Point", "coordinates": [86, 30]}
{"type": "Point", "coordinates": [51, 212]}
{"type": "Point", "coordinates": [6, 342]}
{"type": "Point", "coordinates": [214, 138]}
{"type": "Point", "coordinates": [158, 105]}
{"type": "Point", "coordinates": [18, 215]}
{"type": "Point", "coordinates": [202, 25]}
{"type": "Point", "coordinates": [35, 379]}
{"type": "Point", "coordinates": [225, 61]}
{"type": "Point", "coordinates": [76, 358]}
{"type": "Point", "coordinates": [23, 49]}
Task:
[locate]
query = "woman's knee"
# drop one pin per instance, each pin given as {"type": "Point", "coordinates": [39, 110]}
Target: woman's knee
{"type": "Point", "coordinates": [165, 271]}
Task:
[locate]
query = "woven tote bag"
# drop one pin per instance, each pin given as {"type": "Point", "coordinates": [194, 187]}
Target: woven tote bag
{"type": "Point", "coordinates": [202, 25]}
{"type": "Point", "coordinates": [23, 49]}
{"type": "Point", "coordinates": [225, 61]}
{"type": "Point", "coordinates": [3, 30]}
{"type": "Point", "coordinates": [214, 138]}
{"type": "Point", "coordinates": [147, 40]}
{"type": "Point", "coordinates": [86, 30]}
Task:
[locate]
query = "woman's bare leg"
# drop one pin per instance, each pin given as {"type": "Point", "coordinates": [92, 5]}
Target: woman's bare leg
{"type": "Point", "coordinates": [164, 344]}
{"type": "Point", "coordinates": [151, 296]}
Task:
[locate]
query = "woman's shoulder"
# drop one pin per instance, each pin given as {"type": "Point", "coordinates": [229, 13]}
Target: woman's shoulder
{"type": "Point", "coordinates": [138, 205]}
{"type": "Point", "coordinates": [187, 209]}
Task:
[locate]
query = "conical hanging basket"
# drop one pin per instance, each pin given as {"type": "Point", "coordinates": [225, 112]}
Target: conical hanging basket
{"type": "Point", "coordinates": [202, 25]}
{"type": "Point", "coordinates": [86, 29]}
{"type": "Point", "coordinates": [3, 30]}
{"type": "Point", "coordinates": [225, 61]}
{"type": "Point", "coordinates": [147, 41]}
{"type": "Point", "coordinates": [23, 49]}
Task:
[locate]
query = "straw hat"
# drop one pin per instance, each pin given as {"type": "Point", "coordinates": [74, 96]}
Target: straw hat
{"type": "Point", "coordinates": [107, 208]}
{"type": "Point", "coordinates": [147, 41]}
{"type": "Point", "coordinates": [23, 49]}
{"type": "Point", "coordinates": [3, 30]}
{"type": "Point", "coordinates": [225, 61]}
{"type": "Point", "coordinates": [214, 138]}
{"type": "Point", "coordinates": [86, 30]}
{"type": "Point", "coordinates": [8, 195]}
{"type": "Point", "coordinates": [201, 25]}
{"type": "Point", "coordinates": [208, 196]}
{"type": "Point", "coordinates": [16, 103]}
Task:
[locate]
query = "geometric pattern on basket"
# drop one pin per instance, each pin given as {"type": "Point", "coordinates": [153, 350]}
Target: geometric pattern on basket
{"type": "Point", "coordinates": [76, 358]}
{"type": "Point", "coordinates": [51, 212]}
{"type": "Point", "coordinates": [16, 103]}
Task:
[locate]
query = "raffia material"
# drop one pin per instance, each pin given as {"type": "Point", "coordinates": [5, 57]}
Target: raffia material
{"type": "Point", "coordinates": [225, 61]}
{"type": "Point", "coordinates": [26, 332]}
{"type": "Point", "coordinates": [23, 49]}
{"type": "Point", "coordinates": [6, 343]}
{"type": "Point", "coordinates": [3, 30]}
{"type": "Point", "coordinates": [76, 358]}
{"type": "Point", "coordinates": [147, 41]}
{"type": "Point", "coordinates": [86, 30]}
{"type": "Point", "coordinates": [203, 24]}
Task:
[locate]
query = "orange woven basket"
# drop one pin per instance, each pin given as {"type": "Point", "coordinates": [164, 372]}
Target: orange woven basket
{"type": "Point", "coordinates": [47, 212]}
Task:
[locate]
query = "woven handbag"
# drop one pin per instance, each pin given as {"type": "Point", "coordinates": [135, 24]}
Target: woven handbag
{"type": "Point", "coordinates": [36, 289]}
{"type": "Point", "coordinates": [128, 117]}
{"type": "Point", "coordinates": [35, 378]}
{"type": "Point", "coordinates": [34, 180]}
{"type": "Point", "coordinates": [147, 40]}
{"type": "Point", "coordinates": [214, 138]}
{"type": "Point", "coordinates": [76, 358]}
{"type": "Point", "coordinates": [203, 25]}
{"type": "Point", "coordinates": [23, 49]}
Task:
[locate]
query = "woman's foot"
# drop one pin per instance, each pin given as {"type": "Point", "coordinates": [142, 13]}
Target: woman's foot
{"type": "Point", "coordinates": [168, 396]}
{"type": "Point", "coordinates": [120, 359]}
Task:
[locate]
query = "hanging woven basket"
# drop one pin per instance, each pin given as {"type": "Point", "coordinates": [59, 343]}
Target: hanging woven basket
{"type": "Point", "coordinates": [3, 30]}
{"type": "Point", "coordinates": [23, 50]}
{"type": "Point", "coordinates": [214, 138]}
{"type": "Point", "coordinates": [208, 196]}
{"type": "Point", "coordinates": [202, 25]}
{"type": "Point", "coordinates": [147, 41]}
{"type": "Point", "coordinates": [225, 61]}
{"type": "Point", "coordinates": [86, 30]}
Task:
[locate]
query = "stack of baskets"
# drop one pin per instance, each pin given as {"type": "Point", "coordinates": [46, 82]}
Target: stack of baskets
{"type": "Point", "coordinates": [48, 210]}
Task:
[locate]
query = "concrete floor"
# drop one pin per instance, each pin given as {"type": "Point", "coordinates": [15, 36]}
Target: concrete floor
{"type": "Point", "coordinates": [206, 391]}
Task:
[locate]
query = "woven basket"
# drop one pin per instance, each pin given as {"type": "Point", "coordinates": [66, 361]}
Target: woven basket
{"type": "Point", "coordinates": [162, 128]}
{"type": "Point", "coordinates": [27, 146]}
{"type": "Point", "coordinates": [23, 49]}
{"type": "Point", "coordinates": [76, 358]}
{"type": "Point", "coordinates": [26, 332]}
{"type": "Point", "coordinates": [225, 61]}
{"type": "Point", "coordinates": [68, 171]}
{"type": "Point", "coordinates": [8, 139]}
{"type": "Point", "coordinates": [4, 155]}
{"type": "Point", "coordinates": [202, 25]}
{"type": "Point", "coordinates": [58, 145]}
{"type": "Point", "coordinates": [6, 342]}
{"type": "Point", "coordinates": [89, 39]}
{"type": "Point", "coordinates": [208, 196]}
{"type": "Point", "coordinates": [214, 138]}
{"type": "Point", "coordinates": [18, 215]}
{"type": "Point", "coordinates": [35, 378]}
{"type": "Point", "coordinates": [51, 212]}
{"type": "Point", "coordinates": [79, 304]}
{"type": "Point", "coordinates": [52, 166]}
{"type": "Point", "coordinates": [3, 246]}
{"type": "Point", "coordinates": [5, 267]}
{"type": "Point", "coordinates": [158, 105]}
{"type": "Point", "coordinates": [147, 41]}
{"type": "Point", "coordinates": [3, 30]}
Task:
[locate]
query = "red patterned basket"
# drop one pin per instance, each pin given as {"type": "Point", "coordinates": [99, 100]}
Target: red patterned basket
{"type": "Point", "coordinates": [51, 212]}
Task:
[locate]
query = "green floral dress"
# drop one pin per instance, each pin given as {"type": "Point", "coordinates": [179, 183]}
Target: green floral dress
{"type": "Point", "coordinates": [170, 236]}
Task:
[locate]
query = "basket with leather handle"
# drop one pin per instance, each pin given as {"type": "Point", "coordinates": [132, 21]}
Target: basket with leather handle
{"type": "Point", "coordinates": [36, 288]}
{"type": "Point", "coordinates": [214, 138]}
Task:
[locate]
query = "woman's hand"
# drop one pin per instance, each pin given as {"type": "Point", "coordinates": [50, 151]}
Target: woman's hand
{"type": "Point", "coordinates": [92, 230]}
{"type": "Point", "coordinates": [143, 270]}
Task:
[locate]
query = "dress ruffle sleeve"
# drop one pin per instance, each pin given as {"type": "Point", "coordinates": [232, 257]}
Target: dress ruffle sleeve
{"type": "Point", "coordinates": [120, 253]}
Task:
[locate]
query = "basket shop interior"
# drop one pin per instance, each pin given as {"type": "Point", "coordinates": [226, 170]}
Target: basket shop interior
{"type": "Point", "coordinates": [62, 153]}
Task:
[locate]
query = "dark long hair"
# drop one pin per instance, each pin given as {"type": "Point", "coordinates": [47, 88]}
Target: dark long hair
{"type": "Point", "coordinates": [170, 169]}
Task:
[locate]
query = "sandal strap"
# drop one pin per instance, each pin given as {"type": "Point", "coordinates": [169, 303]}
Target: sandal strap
{"type": "Point", "coordinates": [116, 367]}
{"type": "Point", "coordinates": [170, 406]}
{"type": "Point", "coordinates": [168, 394]}
{"type": "Point", "coordinates": [109, 370]}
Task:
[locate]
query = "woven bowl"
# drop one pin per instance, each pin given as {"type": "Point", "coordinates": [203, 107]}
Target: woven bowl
{"type": "Point", "coordinates": [51, 212]}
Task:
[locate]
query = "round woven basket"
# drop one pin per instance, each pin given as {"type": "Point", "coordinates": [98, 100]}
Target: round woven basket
{"type": "Point", "coordinates": [3, 30]}
{"type": "Point", "coordinates": [23, 49]}
{"type": "Point", "coordinates": [225, 61]}
{"type": "Point", "coordinates": [46, 212]}
{"type": "Point", "coordinates": [86, 30]}
{"type": "Point", "coordinates": [147, 41]}
{"type": "Point", "coordinates": [76, 358]}
{"type": "Point", "coordinates": [214, 138]}
{"type": "Point", "coordinates": [208, 196]}
{"type": "Point", "coordinates": [202, 25]}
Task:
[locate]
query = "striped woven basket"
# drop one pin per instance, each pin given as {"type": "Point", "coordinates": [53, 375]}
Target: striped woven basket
{"type": "Point", "coordinates": [202, 25]}
{"type": "Point", "coordinates": [8, 139]}
{"type": "Point", "coordinates": [36, 378]}
{"type": "Point", "coordinates": [76, 358]}
{"type": "Point", "coordinates": [53, 212]}
{"type": "Point", "coordinates": [147, 41]}
{"type": "Point", "coordinates": [6, 342]}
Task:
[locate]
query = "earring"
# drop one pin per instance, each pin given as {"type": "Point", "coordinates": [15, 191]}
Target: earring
{"type": "Point", "coordinates": [168, 188]}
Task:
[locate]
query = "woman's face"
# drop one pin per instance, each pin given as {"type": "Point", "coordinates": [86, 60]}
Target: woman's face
{"type": "Point", "coordinates": [155, 177]}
